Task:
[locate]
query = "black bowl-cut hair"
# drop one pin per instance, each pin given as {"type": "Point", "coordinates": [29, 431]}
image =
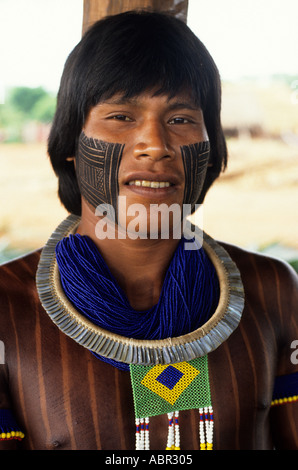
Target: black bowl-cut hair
{"type": "Point", "coordinates": [130, 53]}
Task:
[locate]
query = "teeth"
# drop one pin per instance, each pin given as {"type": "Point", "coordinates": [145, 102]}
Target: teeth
{"type": "Point", "coordinates": [150, 184]}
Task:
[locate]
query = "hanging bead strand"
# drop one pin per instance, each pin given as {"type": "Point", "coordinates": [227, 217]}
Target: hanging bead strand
{"type": "Point", "coordinates": [142, 433]}
{"type": "Point", "coordinates": [138, 434]}
{"type": "Point", "coordinates": [170, 441]}
{"type": "Point", "coordinates": [206, 427]}
{"type": "Point", "coordinates": [202, 430]}
{"type": "Point", "coordinates": [210, 429]}
{"type": "Point", "coordinates": [177, 431]}
{"type": "Point", "coordinates": [147, 440]}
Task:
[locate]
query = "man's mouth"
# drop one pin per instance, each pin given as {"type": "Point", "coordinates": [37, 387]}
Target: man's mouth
{"type": "Point", "coordinates": [150, 184]}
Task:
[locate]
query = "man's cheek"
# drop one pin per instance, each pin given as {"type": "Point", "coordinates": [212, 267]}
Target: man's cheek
{"type": "Point", "coordinates": [97, 168]}
{"type": "Point", "coordinates": [195, 159]}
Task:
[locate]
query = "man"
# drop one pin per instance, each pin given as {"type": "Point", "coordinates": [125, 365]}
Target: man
{"type": "Point", "coordinates": [138, 110]}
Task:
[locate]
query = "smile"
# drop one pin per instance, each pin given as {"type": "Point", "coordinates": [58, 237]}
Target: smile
{"type": "Point", "coordinates": [150, 184]}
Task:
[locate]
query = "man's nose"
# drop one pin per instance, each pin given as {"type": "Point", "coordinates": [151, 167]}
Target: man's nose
{"type": "Point", "coordinates": [153, 142]}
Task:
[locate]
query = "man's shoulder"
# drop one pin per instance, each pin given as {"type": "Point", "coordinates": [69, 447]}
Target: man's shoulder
{"type": "Point", "coordinates": [259, 268]}
{"type": "Point", "coordinates": [19, 274]}
{"type": "Point", "coordinates": [18, 295]}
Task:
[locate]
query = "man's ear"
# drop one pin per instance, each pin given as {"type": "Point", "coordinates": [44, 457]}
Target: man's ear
{"type": "Point", "coordinates": [71, 159]}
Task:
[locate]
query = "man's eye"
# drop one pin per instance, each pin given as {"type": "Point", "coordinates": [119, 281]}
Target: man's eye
{"type": "Point", "coordinates": [120, 117]}
{"type": "Point", "coordinates": [179, 120]}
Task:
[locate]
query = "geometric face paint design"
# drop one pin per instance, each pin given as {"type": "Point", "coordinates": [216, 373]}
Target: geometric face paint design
{"type": "Point", "coordinates": [97, 167]}
{"type": "Point", "coordinates": [195, 159]}
{"type": "Point", "coordinates": [98, 162]}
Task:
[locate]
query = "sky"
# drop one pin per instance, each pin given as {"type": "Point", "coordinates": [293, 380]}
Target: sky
{"type": "Point", "coordinates": [245, 38]}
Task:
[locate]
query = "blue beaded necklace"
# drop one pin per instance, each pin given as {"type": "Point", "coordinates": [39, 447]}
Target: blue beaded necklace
{"type": "Point", "coordinates": [188, 298]}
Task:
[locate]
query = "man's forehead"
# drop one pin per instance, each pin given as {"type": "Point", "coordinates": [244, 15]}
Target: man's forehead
{"type": "Point", "coordinates": [177, 100]}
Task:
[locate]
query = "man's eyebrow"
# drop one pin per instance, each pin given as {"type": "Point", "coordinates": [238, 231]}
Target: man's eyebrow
{"type": "Point", "coordinates": [122, 100]}
{"type": "Point", "coordinates": [183, 105]}
{"type": "Point", "coordinates": [118, 100]}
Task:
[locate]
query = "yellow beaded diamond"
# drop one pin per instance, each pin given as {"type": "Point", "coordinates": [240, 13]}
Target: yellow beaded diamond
{"type": "Point", "coordinates": [185, 374]}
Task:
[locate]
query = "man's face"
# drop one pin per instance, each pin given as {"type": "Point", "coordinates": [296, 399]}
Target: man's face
{"type": "Point", "coordinates": [151, 130]}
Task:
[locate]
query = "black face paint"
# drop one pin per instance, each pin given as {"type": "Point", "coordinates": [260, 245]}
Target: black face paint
{"type": "Point", "coordinates": [98, 162]}
{"type": "Point", "coordinates": [97, 167]}
{"type": "Point", "coordinates": [195, 159]}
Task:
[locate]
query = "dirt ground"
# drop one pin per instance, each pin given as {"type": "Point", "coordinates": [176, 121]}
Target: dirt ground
{"type": "Point", "coordinates": [253, 204]}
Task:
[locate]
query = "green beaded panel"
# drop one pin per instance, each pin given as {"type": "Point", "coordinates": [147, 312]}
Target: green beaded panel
{"type": "Point", "coordinates": [162, 389]}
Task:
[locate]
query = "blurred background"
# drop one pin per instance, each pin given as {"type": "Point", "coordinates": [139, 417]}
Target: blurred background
{"type": "Point", "coordinates": [255, 45]}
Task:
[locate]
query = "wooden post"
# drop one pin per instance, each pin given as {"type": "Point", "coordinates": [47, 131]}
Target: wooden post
{"type": "Point", "coordinates": [97, 9]}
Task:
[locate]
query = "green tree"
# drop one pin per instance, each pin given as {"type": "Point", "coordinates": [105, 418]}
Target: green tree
{"type": "Point", "coordinates": [24, 99]}
{"type": "Point", "coordinates": [44, 109]}
{"type": "Point", "coordinates": [23, 105]}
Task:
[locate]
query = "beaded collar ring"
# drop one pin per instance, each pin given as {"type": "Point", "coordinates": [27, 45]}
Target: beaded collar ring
{"type": "Point", "coordinates": [168, 375]}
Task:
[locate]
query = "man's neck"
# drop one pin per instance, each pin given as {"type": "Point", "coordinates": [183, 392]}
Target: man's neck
{"type": "Point", "coordinates": [139, 266]}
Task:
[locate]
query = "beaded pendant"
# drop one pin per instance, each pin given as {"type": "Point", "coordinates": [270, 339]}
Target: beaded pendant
{"type": "Point", "coordinates": [168, 389]}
